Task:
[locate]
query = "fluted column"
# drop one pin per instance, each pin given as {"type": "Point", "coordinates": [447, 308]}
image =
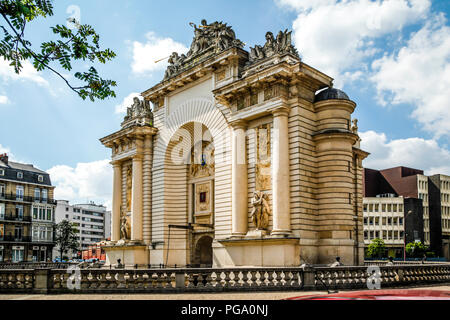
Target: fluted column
{"type": "Point", "coordinates": [239, 181]}
{"type": "Point", "coordinates": [117, 201]}
{"type": "Point", "coordinates": [280, 173]}
{"type": "Point", "coordinates": [136, 200]}
{"type": "Point", "coordinates": [147, 188]}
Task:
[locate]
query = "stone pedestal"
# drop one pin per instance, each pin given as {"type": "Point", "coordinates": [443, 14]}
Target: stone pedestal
{"type": "Point", "coordinates": [264, 252]}
{"type": "Point", "coordinates": [130, 254]}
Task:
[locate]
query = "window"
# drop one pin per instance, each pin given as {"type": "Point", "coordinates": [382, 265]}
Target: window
{"type": "Point", "coordinates": [40, 178]}
{"type": "Point", "coordinates": [2, 231]}
{"type": "Point", "coordinates": [365, 208]}
{"type": "Point", "coordinates": [377, 221]}
{"type": "Point", "coordinates": [396, 235]}
{"type": "Point", "coordinates": [19, 175]}
{"type": "Point", "coordinates": [371, 207]}
{"type": "Point", "coordinates": [377, 207]}
{"type": "Point", "coordinates": [35, 213]}
{"type": "Point", "coordinates": [18, 233]}
{"type": "Point", "coordinates": [2, 172]}
{"type": "Point", "coordinates": [41, 213]}
{"type": "Point", "coordinates": [17, 255]}
{"type": "Point", "coordinates": [19, 212]}
{"type": "Point", "coordinates": [389, 221]}
{"type": "Point", "coordinates": [35, 233]}
{"type": "Point", "coordinates": [365, 221]}
{"type": "Point", "coordinates": [389, 209]}
{"type": "Point", "coordinates": [19, 193]}
{"type": "Point", "coordinates": [49, 214]}
{"type": "Point", "coordinates": [2, 211]}
{"type": "Point", "coordinates": [384, 221]}
{"type": "Point", "coordinates": [371, 234]}
{"type": "Point", "coordinates": [1, 253]}
{"type": "Point", "coordinates": [394, 208]}
{"type": "Point", "coordinates": [401, 234]}
{"type": "Point", "coordinates": [371, 220]}
{"type": "Point", "coordinates": [400, 208]}
{"type": "Point", "coordinates": [384, 234]}
{"type": "Point", "coordinates": [400, 221]}
{"type": "Point", "coordinates": [44, 194]}
{"type": "Point", "coordinates": [383, 207]}
{"type": "Point", "coordinates": [377, 234]}
{"type": "Point", "coordinates": [37, 194]}
{"type": "Point", "coordinates": [2, 190]}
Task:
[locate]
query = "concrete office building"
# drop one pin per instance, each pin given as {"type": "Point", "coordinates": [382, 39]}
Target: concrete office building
{"type": "Point", "coordinates": [92, 221]}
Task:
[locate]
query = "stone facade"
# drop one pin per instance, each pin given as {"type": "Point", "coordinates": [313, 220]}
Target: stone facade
{"type": "Point", "coordinates": [240, 163]}
{"type": "Point", "coordinates": [27, 213]}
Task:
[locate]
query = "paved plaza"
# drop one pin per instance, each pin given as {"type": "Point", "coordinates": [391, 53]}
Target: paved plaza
{"type": "Point", "coordinates": [277, 295]}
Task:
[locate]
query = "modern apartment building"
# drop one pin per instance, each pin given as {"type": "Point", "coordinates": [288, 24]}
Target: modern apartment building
{"type": "Point", "coordinates": [426, 205]}
{"type": "Point", "coordinates": [26, 213]}
{"type": "Point", "coordinates": [93, 222]}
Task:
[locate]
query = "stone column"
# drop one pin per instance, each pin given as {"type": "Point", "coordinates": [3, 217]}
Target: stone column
{"type": "Point", "coordinates": [136, 199]}
{"type": "Point", "coordinates": [280, 173]}
{"type": "Point", "coordinates": [147, 188]}
{"type": "Point", "coordinates": [117, 201]}
{"type": "Point", "coordinates": [239, 181]}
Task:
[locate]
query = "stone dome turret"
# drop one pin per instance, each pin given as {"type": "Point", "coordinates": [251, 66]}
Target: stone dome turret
{"type": "Point", "coordinates": [330, 94]}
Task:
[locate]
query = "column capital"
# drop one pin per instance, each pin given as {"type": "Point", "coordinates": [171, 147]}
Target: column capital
{"type": "Point", "coordinates": [239, 124]}
{"type": "Point", "coordinates": [116, 163]}
{"type": "Point", "coordinates": [137, 157]}
{"type": "Point", "coordinates": [281, 111]}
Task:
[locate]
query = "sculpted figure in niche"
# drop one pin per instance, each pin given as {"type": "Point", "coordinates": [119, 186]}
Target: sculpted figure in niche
{"type": "Point", "coordinates": [124, 227]}
{"type": "Point", "coordinates": [260, 212]}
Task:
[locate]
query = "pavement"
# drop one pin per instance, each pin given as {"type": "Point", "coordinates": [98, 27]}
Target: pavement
{"type": "Point", "coordinates": [275, 295]}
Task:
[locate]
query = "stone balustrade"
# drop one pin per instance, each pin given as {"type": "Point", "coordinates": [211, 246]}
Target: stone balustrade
{"type": "Point", "coordinates": [215, 280]}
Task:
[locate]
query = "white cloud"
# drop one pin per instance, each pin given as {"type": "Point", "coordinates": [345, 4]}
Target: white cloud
{"type": "Point", "coordinates": [127, 102]}
{"type": "Point", "coordinates": [417, 153]}
{"type": "Point", "coordinates": [4, 100]}
{"type": "Point", "coordinates": [336, 37]}
{"type": "Point", "coordinates": [27, 73]}
{"type": "Point", "coordinates": [87, 181]}
{"type": "Point", "coordinates": [419, 74]}
{"type": "Point", "coordinates": [145, 54]}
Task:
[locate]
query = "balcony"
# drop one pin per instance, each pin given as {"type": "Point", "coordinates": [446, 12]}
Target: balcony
{"type": "Point", "coordinates": [10, 217]}
{"type": "Point", "coordinates": [15, 197]}
{"type": "Point", "coordinates": [10, 238]}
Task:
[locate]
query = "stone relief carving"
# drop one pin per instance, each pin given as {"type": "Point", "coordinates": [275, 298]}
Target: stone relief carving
{"type": "Point", "coordinates": [263, 156]}
{"type": "Point", "coordinates": [261, 210]}
{"type": "Point", "coordinates": [202, 161]}
{"type": "Point", "coordinates": [129, 182]}
{"type": "Point", "coordinates": [138, 113]}
{"type": "Point", "coordinates": [281, 45]}
{"type": "Point", "coordinates": [217, 37]}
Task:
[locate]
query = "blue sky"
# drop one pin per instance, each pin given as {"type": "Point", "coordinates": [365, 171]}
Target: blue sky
{"type": "Point", "coordinates": [391, 57]}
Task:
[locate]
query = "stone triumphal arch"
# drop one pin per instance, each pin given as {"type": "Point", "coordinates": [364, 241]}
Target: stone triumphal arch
{"type": "Point", "coordinates": [245, 159]}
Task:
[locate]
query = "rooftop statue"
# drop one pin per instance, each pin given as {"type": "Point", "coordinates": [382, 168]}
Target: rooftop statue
{"type": "Point", "coordinates": [138, 110]}
{"type": "Point", "coordinates": [280, 45]}
{"type": "Point", "coordinates": [215, 37]}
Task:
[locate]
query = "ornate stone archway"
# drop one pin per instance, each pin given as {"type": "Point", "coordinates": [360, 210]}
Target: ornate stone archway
{"type": "Point", "coordinates": [175, 202]}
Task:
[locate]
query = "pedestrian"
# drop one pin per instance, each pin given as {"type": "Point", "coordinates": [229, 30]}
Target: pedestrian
{"type": "Point", "coordinates": [424, 258]}
{"type": "Point", "coordinates": [390, 262]}
{"type": "Point", "coordinates": [337, 263]}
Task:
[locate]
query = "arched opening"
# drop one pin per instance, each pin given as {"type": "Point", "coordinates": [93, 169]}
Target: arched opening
{"type": "Point", "coordinates": [203, 256]}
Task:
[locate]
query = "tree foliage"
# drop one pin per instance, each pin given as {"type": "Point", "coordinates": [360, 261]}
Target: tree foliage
{"type": "Point", "coordinates": [416, 249]}
{"type": "Point", "coordinates": [82, 44]}
{"type": "Point", "coordinates": [66, 237]}
{"type": "Point", "coordinates": [376, 248]}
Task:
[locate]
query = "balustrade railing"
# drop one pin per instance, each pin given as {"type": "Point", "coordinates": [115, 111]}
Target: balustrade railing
{"type": "Point", "coordinates": [218, 280]}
